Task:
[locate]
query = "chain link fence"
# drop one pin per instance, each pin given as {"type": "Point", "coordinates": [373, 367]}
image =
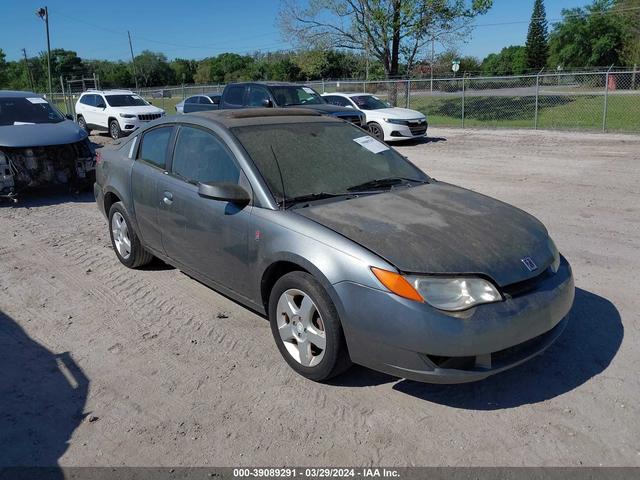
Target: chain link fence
{"type": "Point", "coordinates": [590, 101]}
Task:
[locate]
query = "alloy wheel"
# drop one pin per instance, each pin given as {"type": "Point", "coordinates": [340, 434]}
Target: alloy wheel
{"type": "Point", "coordinates": [301, 327]}
{"type": "Point", "coordinates": [121, 237]}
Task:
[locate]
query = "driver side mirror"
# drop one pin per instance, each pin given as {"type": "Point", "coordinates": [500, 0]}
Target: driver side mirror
{"type": "Point", "coordinates": [227, 192]}
{"type": "Point", "coordinates": [68, 116]}
{"type": "Point", "coordinates": [101, 105]}
{"type": "Point", "coordinates": [267, 103]}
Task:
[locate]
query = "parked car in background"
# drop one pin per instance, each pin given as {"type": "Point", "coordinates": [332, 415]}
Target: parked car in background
{"type": "Point", "coordinates": [40, 146]}
{"type": "Point", "coordinates": [385, 122]}
{"type": "Point", "coordinates": [161, 94]}
{"type": "Point", "coordinates": [282, 94]}
{"type": "Point", "coordinates": [199, 103]}
{"type": "Point", "coordinates": [353, 252]}
{"type": "Point", "coordinates": [119, 112]}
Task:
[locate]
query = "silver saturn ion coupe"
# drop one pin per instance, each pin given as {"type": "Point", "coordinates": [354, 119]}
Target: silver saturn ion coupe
{"type": "Point", "coordinates": [353, 253]}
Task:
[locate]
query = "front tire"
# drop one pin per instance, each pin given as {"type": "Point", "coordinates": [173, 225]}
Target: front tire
{"type": "Point", "coordinates": [83, 124]}
{"type": "Point", "coordinates": [376, 130]}
{"type": "Point", "coordinates": [114, 130]}
{"type": "Point", "coordinates": [306, 327]}
{"type": "Point", "coordinates": [125, 242]}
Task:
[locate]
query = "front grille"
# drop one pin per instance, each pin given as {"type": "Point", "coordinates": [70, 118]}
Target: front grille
{"type": "Point", "coordinates": [417, 127]}
{"type": "Point", "coordinates": [526, 286]}
{"type": "Point", "coordinates": [149, 116]}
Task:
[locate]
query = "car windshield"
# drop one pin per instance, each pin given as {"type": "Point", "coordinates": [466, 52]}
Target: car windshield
{"type": "Point", "coordinates": [369, 102]}
{"type": "Point", "coordinates": [20, 110]}
{"type": "Point", "coordinates": [323, 159]}
{"type": "Point", "coordinates": [125, 101]}
{"type": "Point", "coordinates": [287, 96]}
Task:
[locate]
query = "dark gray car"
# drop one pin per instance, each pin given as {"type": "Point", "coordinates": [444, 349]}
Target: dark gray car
{"type": "Point", "coordinates": [353, 253]}
{"type": "Point", "coordinates": [40, 146]}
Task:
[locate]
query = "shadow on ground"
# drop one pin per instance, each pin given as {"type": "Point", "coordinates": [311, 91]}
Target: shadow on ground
{"type": "Point", "coordinates": [42, 400]}
{"type": "Point", "coordinates": [585, 349]}
{"type": "Point", "coordinates": [43, 196]}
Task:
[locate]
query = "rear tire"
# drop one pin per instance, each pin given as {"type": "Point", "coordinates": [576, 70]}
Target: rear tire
{"type": "Point", "coordinates": [125, 242]}
{"type": "Point", "coordinates": [114, 130]}
{"type": "Point", "coordinates": [306, 327]}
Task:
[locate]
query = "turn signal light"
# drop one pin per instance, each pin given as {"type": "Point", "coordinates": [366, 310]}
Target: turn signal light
{"type": "Point", "coordinates": [397, 284]}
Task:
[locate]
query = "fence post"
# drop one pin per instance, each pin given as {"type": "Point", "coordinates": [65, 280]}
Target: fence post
{"type": "Point", "coordinates": [406, 100]}
{"type": "Point", "coordinates": [323, 91]}
{"type": "Point", "coordinates": [606, 98]}
{"type": "Point", "coordinates": [535, 116]}
{"type": "Point", "coordinates": [463, 78]}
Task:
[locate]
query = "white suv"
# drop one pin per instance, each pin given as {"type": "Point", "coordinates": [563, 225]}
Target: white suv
{"type": "Point", "coordinates": [119, 112]}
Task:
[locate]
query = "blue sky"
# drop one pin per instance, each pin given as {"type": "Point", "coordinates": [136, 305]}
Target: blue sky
{"type": "Point", "coordinates": [200, 28]}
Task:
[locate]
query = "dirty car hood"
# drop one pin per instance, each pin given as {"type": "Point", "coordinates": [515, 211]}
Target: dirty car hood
{"type": "Point", "coordinates": [441, 228]}
{"type": "Point", "coordinates": [41, 134]}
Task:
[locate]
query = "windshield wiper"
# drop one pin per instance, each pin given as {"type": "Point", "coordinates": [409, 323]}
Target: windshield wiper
{"type": "Point", "coordinates": [291, 201]}
{"type": "Point", "coordinates": [383, 183]}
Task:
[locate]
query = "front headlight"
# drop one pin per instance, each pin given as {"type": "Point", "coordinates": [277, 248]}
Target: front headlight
{"type": "Point", "coordinates": [395, 121]}
{"type": "Point", "coordinates": [445, 293]}
{"type": "Point", "coordinates": [455, 293]}
{"type": "Point", "coordinates": [555, 264]}
{"type": "Point", "coordinates": [127, 115]}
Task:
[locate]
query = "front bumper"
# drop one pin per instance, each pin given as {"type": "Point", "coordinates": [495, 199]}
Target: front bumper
{"type": "Point", "coordinates": [393, 131]}
{"type": "Point", "coordinates": [412, 340]}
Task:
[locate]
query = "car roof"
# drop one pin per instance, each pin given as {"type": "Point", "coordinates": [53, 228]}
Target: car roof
{"type": "Point", "coordinates": [18, 94]}
{"type": "Point", "coordinates": [106, 92]}
{"type": "Point", "coordinates": [347, 94]}
{"type": "Point", "coordinates": [270, 84]}
{"type": "Point", "coordinates": [258, 116]}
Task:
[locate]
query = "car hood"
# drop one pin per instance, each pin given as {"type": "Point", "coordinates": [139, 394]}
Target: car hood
{"type": "Point", "coordinates": [399, 113]}
{"type": "Point", "coordinates": [41, 134]}
{"type": "Point", "coordinates": [328, 108]}
{"type": "Point", "coordinates": [440, 228]}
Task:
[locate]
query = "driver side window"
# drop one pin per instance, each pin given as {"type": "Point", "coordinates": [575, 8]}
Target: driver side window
{"type": "Point", "coordinates": [257, 96]}
{"type": "Point", "coordinates": [200, 156]}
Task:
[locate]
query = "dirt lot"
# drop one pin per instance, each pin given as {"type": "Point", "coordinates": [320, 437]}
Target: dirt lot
{"type": "Point", "coordinates": [100, 365]}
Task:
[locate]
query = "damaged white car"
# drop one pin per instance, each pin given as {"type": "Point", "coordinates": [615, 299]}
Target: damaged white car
{"type": "Point", "coordinates": [40, 146]}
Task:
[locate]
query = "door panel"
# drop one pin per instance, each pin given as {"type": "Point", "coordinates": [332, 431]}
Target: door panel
{"type": "Point", "coordinates": [149, 167]}
{"type": "Point", "coordinates": [208, 236]}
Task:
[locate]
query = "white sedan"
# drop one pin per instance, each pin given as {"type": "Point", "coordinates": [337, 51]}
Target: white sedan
{"type": "Point", "coordinates": [385, 122]}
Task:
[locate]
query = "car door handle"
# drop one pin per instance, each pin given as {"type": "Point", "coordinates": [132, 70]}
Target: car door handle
{"type": "Point", "coordinates": [168, 198]}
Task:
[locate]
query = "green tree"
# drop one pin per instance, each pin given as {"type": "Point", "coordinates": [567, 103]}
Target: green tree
{"type": "Point", "coordinates": [509, 61]}
{"type": "Point", "coordinates": [536, 48]}
{"type": "Point", "coordinates": [153, 69]}
{"type": "Point", "coordinates": [184, 70]}
{"type": "Point", "coordinates": [628, 12]}
{"type": "Point", "coordinates": [3, 69]}
{"type": "Point", "coordinates": [591, 36]}
{"type": "Point", "coordinates": [393, 31]}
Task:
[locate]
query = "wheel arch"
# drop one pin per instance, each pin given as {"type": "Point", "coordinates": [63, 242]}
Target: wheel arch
{"type": "Point", "coordinates": [288, 263]}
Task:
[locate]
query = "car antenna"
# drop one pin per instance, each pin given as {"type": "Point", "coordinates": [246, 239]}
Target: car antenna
{"type": "Point", "coordinates": [284, 195]}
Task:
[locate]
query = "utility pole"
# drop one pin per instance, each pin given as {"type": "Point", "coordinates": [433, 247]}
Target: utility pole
{"type": "Point", "coordinates": [43, 13]}
{"type": "Point", "coordinates": [133, 61]}
{"type": "Point", "coordinates": [26, 64]}
{"type": "Point", "coordinates": [433, 56]}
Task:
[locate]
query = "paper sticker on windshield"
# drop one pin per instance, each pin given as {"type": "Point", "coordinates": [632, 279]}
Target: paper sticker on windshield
{"type": "Point", "coordinates": [36, 100]}
{"type": "Point", "coordinates": [309, 90]}
{"type": "Point", "coordinates": [23, 123]}
{"type": "Point", "coordinates": [371, 144]}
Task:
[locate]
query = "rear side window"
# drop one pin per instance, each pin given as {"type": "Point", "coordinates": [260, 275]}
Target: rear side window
{"type": "Point", "coordinates": [154, 145]}
{"type": "Point", "coordinates": [340, 101]}
{"type": "Point", "coordinates": [257, 96]}
{"type": "Point", "coordinates": [88, 100]}
{"type": "Point", "coordinates": [235, 95]}
{"type": "Point", "coordinates": [200, 156]}
{"type": "Point", "coordinates": [192, 100]}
